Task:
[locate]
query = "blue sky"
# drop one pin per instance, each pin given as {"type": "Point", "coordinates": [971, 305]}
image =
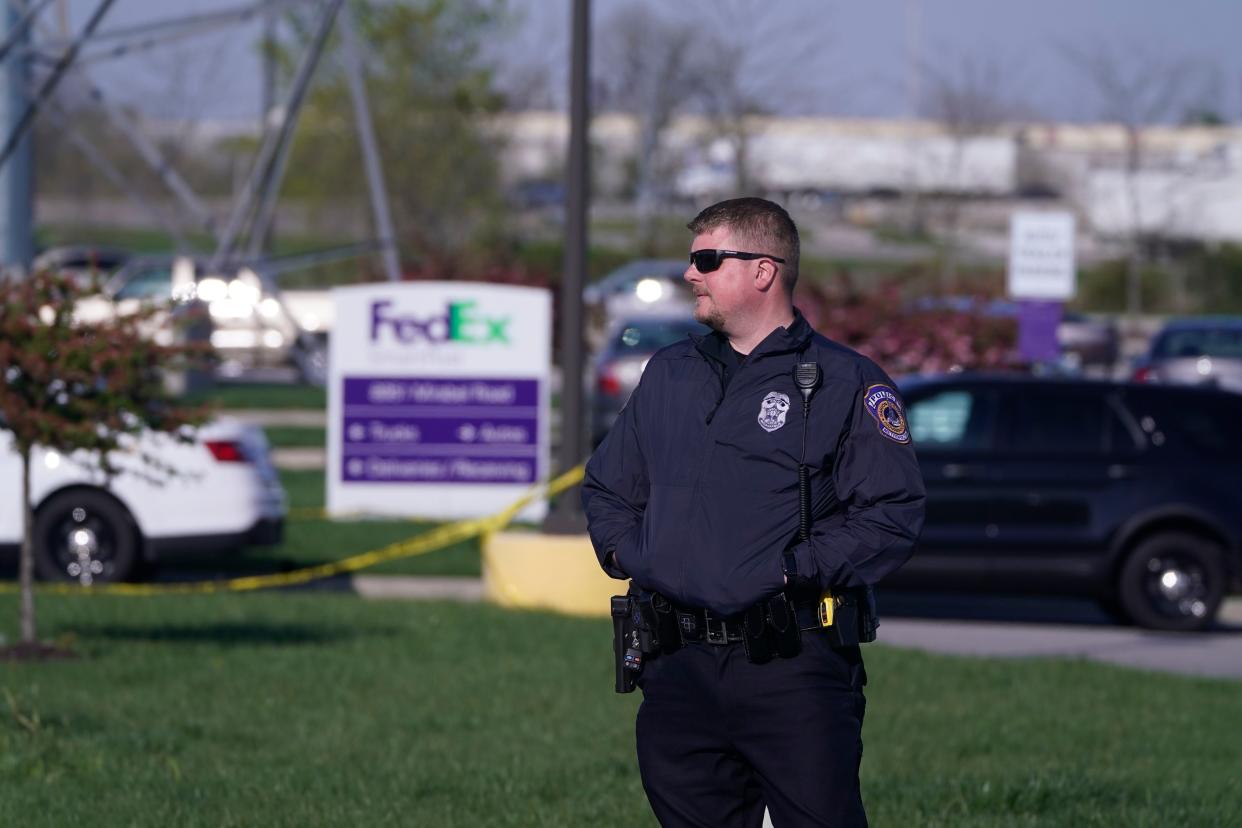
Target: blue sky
{"type": "Point", "coordinates": [863, 52]}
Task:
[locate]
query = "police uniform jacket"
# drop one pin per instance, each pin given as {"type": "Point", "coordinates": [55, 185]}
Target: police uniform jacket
{"type": "Point", "coordinates": [695, 489]}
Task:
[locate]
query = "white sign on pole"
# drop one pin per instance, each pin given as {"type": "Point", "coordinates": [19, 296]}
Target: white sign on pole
{"type": "Point", "coordinates": [1041, 256]}
{"type": "Point", "coordinates": [438, 398]}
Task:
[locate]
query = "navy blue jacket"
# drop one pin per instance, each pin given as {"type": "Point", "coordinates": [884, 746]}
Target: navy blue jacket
{"type": "Point", "coordinates": [695, 489]}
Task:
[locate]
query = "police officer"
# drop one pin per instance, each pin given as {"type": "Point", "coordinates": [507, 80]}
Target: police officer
{"type": "Point", "coordinates": [694, 496]}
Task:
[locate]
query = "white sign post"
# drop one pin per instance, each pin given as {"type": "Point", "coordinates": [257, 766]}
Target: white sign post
{"type": "Point", "coordinates": [1041, 256]}
{"type": "Point", "coordinates": [438, 399]}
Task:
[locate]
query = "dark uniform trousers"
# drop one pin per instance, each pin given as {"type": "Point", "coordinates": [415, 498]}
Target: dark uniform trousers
{"type": "Point", "coordinates": [719, 737]}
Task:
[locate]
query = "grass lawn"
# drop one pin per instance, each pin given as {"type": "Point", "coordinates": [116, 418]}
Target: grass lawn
{"type": "Point", "coordinates": [266, 395]}
{"type": "Point", "coordinates": [319, 709]}
{"type": "Point", "coordinates": [296, 436]}
{"type": "Point", "coordinates": [312, 540]}
{"type": "Point", "coordinates": [151, 241]}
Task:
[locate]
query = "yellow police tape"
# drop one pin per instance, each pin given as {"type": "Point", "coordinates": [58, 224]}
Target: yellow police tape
{"type": "Point", "coordinates": [438, 538]}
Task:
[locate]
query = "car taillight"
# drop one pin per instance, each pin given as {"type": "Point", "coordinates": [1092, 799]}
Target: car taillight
{"type": "Point", "coordinates": [608, 382]}
{"type": "Point", "coordinates": [226, 451]}
{"type": "Point", "coordinates": [1144, 374]}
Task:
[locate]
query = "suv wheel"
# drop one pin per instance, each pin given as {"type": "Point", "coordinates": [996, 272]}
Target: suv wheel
{"type": "Point", "coordinates": [86, 537]}
{"type": "Point", "coordinates": [1173, 581]}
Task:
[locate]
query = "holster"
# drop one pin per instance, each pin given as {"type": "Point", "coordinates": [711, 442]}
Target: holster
{"type": "Point", "coordinates": [641, 627]}
{"type": "Point", "coordinates": [624, 634]}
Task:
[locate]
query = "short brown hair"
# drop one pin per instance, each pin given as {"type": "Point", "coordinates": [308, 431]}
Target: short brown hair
{"type": "Point", "coordinates": [762, 226]}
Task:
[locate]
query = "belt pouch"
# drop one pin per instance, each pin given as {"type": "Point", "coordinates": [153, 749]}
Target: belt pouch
{"type": "Point", "coordinates": [621, 633]}
{"type": "Point", "coordinates": [756, 636]}
{"type": "Point", "coordinates": [869, 618]}
{"type": "Point", "coordinates": [648, 626]}
{"type": "Point", "coordinates": [844, 629]}
{"type": "Point", "coordinates": [783, 622]}
{"type": "Point", "coordinates": [668, 631]}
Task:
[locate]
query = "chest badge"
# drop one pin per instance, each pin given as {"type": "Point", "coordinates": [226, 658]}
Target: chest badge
{"type": "Point", "coordinates": [772, 410]}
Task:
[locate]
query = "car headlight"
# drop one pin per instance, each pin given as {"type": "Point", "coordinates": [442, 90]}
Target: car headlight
{"type": "Point", "coordinates": [212, 289]}
{"type": "Point", "coordinates": [649, 290]}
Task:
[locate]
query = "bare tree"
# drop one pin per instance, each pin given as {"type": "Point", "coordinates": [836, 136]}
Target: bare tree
{"type": "Point", "coordinates": [646, 69]}
{"type": "Point", "coordinates": [968, 98]}
{"type": "Point", "coordinates": [1134, 89]}
{"type": "Point", "coordinates": [740, 82]}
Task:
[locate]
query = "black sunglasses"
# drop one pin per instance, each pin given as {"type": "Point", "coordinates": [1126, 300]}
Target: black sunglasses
{"type": "Point", "coordinates": [705, 261]}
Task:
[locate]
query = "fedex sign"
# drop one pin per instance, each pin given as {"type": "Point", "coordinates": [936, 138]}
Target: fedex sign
{"type": "Point", "coordinates": [438, 399]}
{"type": "Point", "coordinates": [460, 322]}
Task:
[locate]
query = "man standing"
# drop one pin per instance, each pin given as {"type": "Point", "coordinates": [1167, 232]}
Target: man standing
{"type": "Point", "coordinates": [751, 700]}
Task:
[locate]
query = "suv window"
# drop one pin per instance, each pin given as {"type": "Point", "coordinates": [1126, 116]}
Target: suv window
{"type": "Point", "coordinates": [150, 283]}
{"type": "Point", "coordinates": [954, 419]}
{"type": "Point", "coordinates": [1201, 423]}
{"type": "Point", "coordinates": [1063, 421]}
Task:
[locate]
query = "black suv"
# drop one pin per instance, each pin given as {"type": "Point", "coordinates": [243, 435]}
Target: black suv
{"type": "Point", "coordinates": [1128, 493]}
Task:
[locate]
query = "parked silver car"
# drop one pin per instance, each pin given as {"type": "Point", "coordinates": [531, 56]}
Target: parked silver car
{"type": "Point", "coordinates": [620, 365]}
{"type": "Point", "coordinates": [639, 288]}
{"type": "Point", "coordinates": [1203, 351]}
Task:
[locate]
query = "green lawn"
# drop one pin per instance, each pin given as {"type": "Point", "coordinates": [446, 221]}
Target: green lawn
{"type": "Point", "coordinates": [313, 540]}
{"type": "Point", "coordinates": [319, 709]}
{"type": "Point", "coordinates": [263, 395]}
{"type": "Point", "coordinates": [296, 436]}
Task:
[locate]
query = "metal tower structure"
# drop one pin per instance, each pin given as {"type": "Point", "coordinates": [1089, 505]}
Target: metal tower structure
{"type": "Point", "coordinates": [38, 72]}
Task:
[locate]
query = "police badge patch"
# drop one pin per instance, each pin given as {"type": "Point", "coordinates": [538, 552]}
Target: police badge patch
{"type": "Point", "coordinates": [883, 404]}
{"type": "Point", "coordinates": [772, 411]}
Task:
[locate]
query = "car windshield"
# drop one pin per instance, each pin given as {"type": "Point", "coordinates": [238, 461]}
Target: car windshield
{"type": "Point", "coordinates": [624, 278]}
{"type": "Point", "coordinates": [153, 281]}
{"type": "Point", "coordinates": [653, 334]}
{"type": "Point", "coordinates": [1214, 342]}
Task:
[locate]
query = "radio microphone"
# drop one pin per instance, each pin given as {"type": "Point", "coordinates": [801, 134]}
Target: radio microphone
{"type": "Point", "coordinates": [806, 377]}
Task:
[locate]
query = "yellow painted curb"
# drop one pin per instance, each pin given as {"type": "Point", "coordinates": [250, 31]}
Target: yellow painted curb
{"type": "Point", "coordinates": [556, 572]}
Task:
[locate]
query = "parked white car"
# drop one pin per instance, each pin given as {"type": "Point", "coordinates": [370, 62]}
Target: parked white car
{"type": "Point", "coordinates": [224, 494]}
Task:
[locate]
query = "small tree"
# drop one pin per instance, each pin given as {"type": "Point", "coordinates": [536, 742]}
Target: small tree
{"type": "Point", "coordinates": [72, 387]}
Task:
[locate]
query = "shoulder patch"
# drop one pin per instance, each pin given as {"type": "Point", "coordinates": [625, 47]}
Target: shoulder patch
{"type": "Point", "coordinates": [884, 406]}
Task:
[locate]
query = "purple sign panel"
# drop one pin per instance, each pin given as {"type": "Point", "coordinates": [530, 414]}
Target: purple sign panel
{"type": "Point", "coordinates": [405, 430]}
{"type": "Point", "coordinates": [1037, 330]}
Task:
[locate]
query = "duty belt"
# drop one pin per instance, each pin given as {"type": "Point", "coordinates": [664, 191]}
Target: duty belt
{"type": "Point", "coordinates": [700, 624]}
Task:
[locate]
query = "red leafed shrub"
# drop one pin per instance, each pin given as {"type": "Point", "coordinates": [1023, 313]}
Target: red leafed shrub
{"type": "Point", "coordinates": [903, 339]}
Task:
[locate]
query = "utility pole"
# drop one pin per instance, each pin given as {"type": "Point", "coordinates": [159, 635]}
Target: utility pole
{"type": "Point", "coordinates": [17, 208]}
{"type": "Point", "coordinates": [567, 517]}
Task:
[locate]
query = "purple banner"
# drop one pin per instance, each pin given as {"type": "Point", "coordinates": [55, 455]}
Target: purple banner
{"type": "Point", "coordinates": [441, 430]}
{"type": "Point", "coordinates": [1037, 330]}
{"type": "Point", "coordinates": [403, 391]}
{"type": "Point", "coordinates": [405, 430]}
{"type": "Point", "coordinates": [438, 470]}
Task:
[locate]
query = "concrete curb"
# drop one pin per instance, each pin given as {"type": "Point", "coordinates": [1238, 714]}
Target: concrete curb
{"type": "Point", "coordinates": [407, 587]}
{"type": "Point", "coordinates": [300, 459]}
{"type": "Point", "coordinates": [298, 417]}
